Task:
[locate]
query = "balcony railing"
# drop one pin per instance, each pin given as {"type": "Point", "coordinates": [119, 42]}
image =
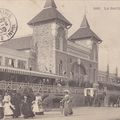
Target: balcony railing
{"type": "Point", "coordinates": [39, 87]}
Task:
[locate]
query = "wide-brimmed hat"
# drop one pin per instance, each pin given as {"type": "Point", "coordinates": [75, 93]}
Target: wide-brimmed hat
{"type": "Point", "coordinates": [66, 91]}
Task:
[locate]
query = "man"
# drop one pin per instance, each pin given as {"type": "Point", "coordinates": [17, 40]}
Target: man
{"type": "Point", "coordinates": [67, 103]}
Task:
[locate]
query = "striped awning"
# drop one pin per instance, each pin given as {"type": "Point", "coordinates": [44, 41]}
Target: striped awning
{"type": "Point", "coordinates": [28, 72]}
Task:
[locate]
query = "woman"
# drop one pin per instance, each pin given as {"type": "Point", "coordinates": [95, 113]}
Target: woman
{"type": "Point", "coordinates": [37, 105]}
{"type": "Point", "coordinates": [26, 108]}
{"type": "Point", "coordinates": [67, 103]}
{"type": "Point", "coordinates": [8, 107]}
{"type": "Point", "coordinates": [16, 101]}
{"type": "Point", "coordinates": [1, 108]}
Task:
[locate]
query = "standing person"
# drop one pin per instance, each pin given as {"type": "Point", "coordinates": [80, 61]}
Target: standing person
{"type": "Point", "coordinates": [1, 108]}
{"type": "Point", "coordinates": [67, 103]}
{"type": "Point", "coordinates": [8, 107]}
{"type": "Point", "coordinates": [16, 100]}
{"type": "Point", "coordinates": [26, 108]}
{"type": "Point", "coordinates": [37, 105]}
{"type": "Point", "coordinates": [61, 106]}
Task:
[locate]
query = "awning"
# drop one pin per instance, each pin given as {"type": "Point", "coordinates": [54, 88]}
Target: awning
{"type": "Point", "coordinates": [29, 73]}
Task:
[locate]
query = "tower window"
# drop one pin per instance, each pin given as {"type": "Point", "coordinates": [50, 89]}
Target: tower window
{"type": "Point", "coordinates": [61, 68]}
{"type": "Point", "coordinates": [60, 38]}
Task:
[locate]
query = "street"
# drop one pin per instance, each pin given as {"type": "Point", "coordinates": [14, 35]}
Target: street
{"type": "Point", "coordinates": [83, 113]}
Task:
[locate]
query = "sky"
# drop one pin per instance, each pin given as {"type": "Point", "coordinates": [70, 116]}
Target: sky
{"type": "Point", "coordinates": [103, 17]}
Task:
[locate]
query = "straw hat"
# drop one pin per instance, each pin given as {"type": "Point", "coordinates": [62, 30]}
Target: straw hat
{"type": "Point", "coordinates": [66, 91]}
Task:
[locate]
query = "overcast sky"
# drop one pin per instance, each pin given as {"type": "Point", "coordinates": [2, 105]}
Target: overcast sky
{"type": "Point", "coordinates": [103, 17]}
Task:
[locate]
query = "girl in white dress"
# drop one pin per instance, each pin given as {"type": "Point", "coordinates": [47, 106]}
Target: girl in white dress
{"type": "Point", "coordinates": [8, 107]}
{"type": "Point", "coordinates": [37, 105]}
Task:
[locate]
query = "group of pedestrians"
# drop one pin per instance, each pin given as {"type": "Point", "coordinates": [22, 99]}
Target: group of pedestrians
{"type": "Point", "coordinates": [14, 106]}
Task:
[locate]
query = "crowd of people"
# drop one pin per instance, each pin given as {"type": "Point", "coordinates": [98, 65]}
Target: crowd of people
{"type": "Point", "coordinates": [14, 105]}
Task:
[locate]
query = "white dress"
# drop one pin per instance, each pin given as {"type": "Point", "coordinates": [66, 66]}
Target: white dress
{"type": "Point", "coordinates": [37, 105]}
{"type": "Point", "coordinates": [7, 106]}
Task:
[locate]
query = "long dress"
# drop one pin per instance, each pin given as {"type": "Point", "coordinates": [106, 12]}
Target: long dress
{"type": "Point", "coordinates": [37, 106]}
{"type": "Point", "coordinates": [8, 107]}
{"type": "Point", "coordinates": [67, 105]}
{"type": "Point", "coordinates": [15, 100]}
{"type": "Point", "coordinates": [26, 109]}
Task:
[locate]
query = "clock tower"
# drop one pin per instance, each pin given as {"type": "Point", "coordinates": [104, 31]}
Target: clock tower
{"type": "Point", "coordinates": [49, 33]}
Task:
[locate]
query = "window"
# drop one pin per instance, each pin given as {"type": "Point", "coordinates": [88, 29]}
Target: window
{"type": "Point", "coordinates": [61, 38]}
{"type": "Point", "coordinates": [60, 68]}
{"type": "Point", "coordinates": [21, 64]}
{"type": "Point", "coordinates": [10, 62]}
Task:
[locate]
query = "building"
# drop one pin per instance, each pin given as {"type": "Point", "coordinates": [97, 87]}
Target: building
{"type": "Point", "coordinates": [49, 56]}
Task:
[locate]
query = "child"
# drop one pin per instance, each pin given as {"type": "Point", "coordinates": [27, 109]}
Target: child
{"type": "Point", "coordinates": [8, 107]}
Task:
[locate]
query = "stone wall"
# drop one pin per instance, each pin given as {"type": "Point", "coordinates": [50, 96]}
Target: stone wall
{"type": "Point", "coordinates": [43, 36]}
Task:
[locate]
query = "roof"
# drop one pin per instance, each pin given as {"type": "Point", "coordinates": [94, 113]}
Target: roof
{"type": "Point", "coordinates": [84, 32]}
{"type": "Point", "coordinates": [50, 3]}
{"type": "Point", "coordinates": [19, 43]}
{"type": "Point", "coordinates": [49, 13]}
{"type": "Point", "coordinates": [12, 52]}
{"type": "Point", "coordinates": [84, 22]}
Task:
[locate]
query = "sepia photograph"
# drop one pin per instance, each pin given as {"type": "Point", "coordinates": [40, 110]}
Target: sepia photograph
{"type": "Point", "coordinates": [60, 59]}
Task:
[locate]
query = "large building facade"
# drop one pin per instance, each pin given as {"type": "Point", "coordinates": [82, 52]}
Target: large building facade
{"type": "Point", "coordinates": [49, 52]}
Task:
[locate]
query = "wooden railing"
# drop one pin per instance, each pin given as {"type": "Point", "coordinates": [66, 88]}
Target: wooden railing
{"type": "Point", "coordinates": [39, 87]}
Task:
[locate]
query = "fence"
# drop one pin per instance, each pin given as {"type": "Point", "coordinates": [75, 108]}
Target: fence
{"type": "Point", "coordinates": [39, 87]}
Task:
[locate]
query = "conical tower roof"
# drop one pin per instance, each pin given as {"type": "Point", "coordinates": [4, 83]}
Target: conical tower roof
{"type": "Point", "coordinates": [50, 3]}
{"type": "Point", "coordinates": [49, 13]}
{"type": "Point", "coordinates": [84, 23]}
{"type": "Point", "coordinates": [84, 32]}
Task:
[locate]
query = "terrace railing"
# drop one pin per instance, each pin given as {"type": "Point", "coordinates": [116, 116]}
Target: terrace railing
{"type": "Point", "coordinates": [39, 87]}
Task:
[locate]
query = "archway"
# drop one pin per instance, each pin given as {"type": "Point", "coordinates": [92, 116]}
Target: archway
{"type": "Point", "coordinates": [78, 72]}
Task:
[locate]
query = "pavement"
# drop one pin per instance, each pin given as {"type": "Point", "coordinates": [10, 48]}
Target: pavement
{"type": "Point", "coordinates": [82, 113]}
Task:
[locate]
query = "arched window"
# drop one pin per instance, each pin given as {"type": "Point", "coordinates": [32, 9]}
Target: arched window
{"type": "Point", "coordinates": [61, 68]}
{"type": "Point", "coordinates": [78, 71]}
{"type": "Point", "coordinates": [60, 38]}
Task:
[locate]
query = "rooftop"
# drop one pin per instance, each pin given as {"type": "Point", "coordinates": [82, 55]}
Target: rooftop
{"type": "Point", "coordinates": [49, 12]}
{"type": "Point", "coordinates": [84, 32]}
{"type": "Point", "coordinates": [22, 43]}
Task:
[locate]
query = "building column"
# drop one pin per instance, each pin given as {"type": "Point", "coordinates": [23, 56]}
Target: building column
{"type": "Point", "coordinates": [3, 61]}
{"type": "Point", "coordinates": [16, 63]}
{"type": "Point", "coordinates": [27, 65]}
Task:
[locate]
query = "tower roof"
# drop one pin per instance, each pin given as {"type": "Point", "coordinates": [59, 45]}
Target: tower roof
{"type": "Point", "coordinates": [84, 23]}
{"type": "Point", "coordinates": [84, 32]}
{"type": "Point", "coordinates": [49, 13]}
{"type": "Point", "coordinates": [50, 3]}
